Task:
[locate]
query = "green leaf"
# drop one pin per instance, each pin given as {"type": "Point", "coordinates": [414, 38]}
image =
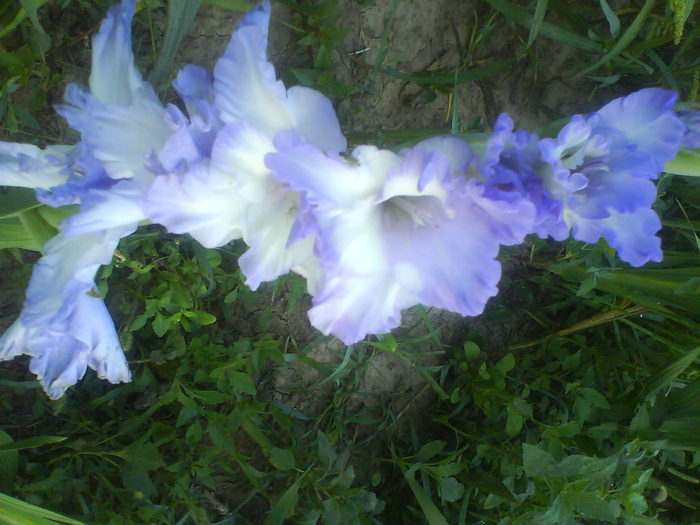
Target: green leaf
{"type": "Point", "coordinates": [43, 42]}
{"type": "Point", "coordinates": [13, 234]}
{"type": "Point", "coordinates": [16, 512]}
{"type": "Point", "coordinates": [429, 450]}
{"type": "Point", "coordinates": [282, 458]}
{"type": "Point", "coordinates": [451, 489]}
{"type": "Point", "coordinates": [521, 16]}
{"type": "Point", "coordinates": [535, 460]}
{"type": "Point", "coordinates": [588, 505]}
{"type": "Point", "coordinates": [202, 318]}
{"type": "Point", "coordinates": [540, 12]}
{"type": "Point", "coordinates": [505, 364]}
{"type": "Point", "coordinates": [687, 162]}
{"type": "Point", "coordinates": [611, 17]}
{"type": "Point", "coordinates": [663, 377]}
{"type": "Point", "coordinates": [19, 18]}
{"type": "Point", "coordinates": [232, 5]}
{"type": "Point", "coordinates": [430, 511]}
{"type": "Point", "coordinates": [35, 225]}
{"type": "Point", "coordinates": [32, 442]}
{"type": "Point", "coordinates": [54, 216]}
{"type": "Point", "coordinates": [434, 78]}
{"type": "Point", "coordinates": [514, 421]}
{"type": "Point", "coordinates": [284, 507]}
{"type": "Point", "coordinates": [17, 200]}
{"type": "Point", "coordinates": [212, 397]}
{"type": "Point", "coordinates": [242, 382]}
{"type": "Point", "coordinates": [181, 14]}
{"type": "Point", "coordinates": [624, 40]}
{"type": "Point", "coordinates": [9, 460]}
{"type": "Point", "coordinates": [471, 350]}
{"type": "Point", "coordinates": [143, 455]}
{"type": "Point", "coordinates": [491, 485]}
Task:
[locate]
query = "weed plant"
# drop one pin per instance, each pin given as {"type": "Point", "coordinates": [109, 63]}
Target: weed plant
{"type": "Point", "coordinates": [574, 399]}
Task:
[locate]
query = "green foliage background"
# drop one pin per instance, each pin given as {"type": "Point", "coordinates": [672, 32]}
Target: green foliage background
{"type": "Point", "coordinates": [591, 414]}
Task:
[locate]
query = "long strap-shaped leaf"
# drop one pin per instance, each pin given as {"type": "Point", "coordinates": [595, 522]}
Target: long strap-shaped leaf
{"type": "Point", "coordinates": [625, 39]}
{"type": "Point", "coordinates": [16, 512]}
{"type": "Point", "coordinates": [181, 14]}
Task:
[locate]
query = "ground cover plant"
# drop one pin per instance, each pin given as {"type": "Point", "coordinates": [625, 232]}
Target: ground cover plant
{"type": "Point", "coordinates": [573, 398]}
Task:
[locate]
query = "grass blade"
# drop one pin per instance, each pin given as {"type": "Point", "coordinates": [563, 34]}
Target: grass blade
{"type": "Point", "coordinates": [432, 514]}
{"type": "Point", "coordinates": [524, 18]}
{"type": "Point", "coordinates": [624, 40]}
{"type": "Point", "coordinates": [540, 11]}
{"type": "Point", "coordinates": [670, 372]}
{"type": "Point", "coordinates": [433, 78]}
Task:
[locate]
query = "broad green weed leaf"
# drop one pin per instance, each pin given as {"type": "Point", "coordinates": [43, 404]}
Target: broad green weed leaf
{"type": "Point", "coordinates": [429, 450]}
{"type": "Point", "coordinates": [450, 489]}
{"type": "Point", "coordinates": [591, 506]}
{"type": "Point", "coordinates": [284, 507]}
{"type": "Point", "coordinates": [42, 40]}
{"type": "Point", "coordinates": [282, 458]}
{"type": "Point", "coordinates": [242, 383]}
{"type": "Point", "coordinates": [491, 485]}
{"type": "Point", "coordinates": [535, 460]}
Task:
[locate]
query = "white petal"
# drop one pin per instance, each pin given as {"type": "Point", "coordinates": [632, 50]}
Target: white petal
{"type": "Point", "coordinates": [27, 166]}
{"type": "Point", "coordinates": [211, 213]}
{"type": "Point", "coordinates": [117, 209]}
{"type": "Point", "coordinates": [114, 79]}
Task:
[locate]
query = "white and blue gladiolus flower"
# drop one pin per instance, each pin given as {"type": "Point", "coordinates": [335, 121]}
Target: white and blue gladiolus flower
{"type": "Point", "coordinates": [373, 231]}
{"type": "Point", "coordinates": [394, 230]}
{"type": "Point", "coordinates": [63, 325]}
{"type": "Point", "coordinates": [595, 178]}
{"type": "Point", "coordinates": [222, 189]}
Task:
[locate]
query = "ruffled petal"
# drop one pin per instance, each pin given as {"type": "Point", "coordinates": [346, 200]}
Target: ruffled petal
{"type": "Point", "coordinates": [326, 180]}
{"type": "Point", "coordinates": [648, 122]}
{"type": "Point", "coordinates": [313, 116]}
{"type": "Point", "coordinates": [60, 360]}
{"type": "Point", "coordinates": [66, 271]}
{"type": "Point", "coordinates": [117, 209]}
{"type": "Point", "coordinates": [114, 80]}
{"type": "Point", "coordinates": [631, 234]}
{"type": "Point", "coordinates": [213, 214]}
{"type": "Point", "coordinates": [194, 85]}
{"type": "Point", "coordinates": [26, 166]}
{"type": "Point", "coordinates": [360, 294]}
{"type": "Point", "coordinates": [270, 255]}
{"type": "Point", "coordinates": [691, 121]}
{"type": "Point", "coordinates": [247, 89]}
{"type": "Point", "coordinates": [123, 138]}
{"type": "Point", "coordinates": [245, 84]}
{"type": "Point", "coordinates": [62, 348]}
